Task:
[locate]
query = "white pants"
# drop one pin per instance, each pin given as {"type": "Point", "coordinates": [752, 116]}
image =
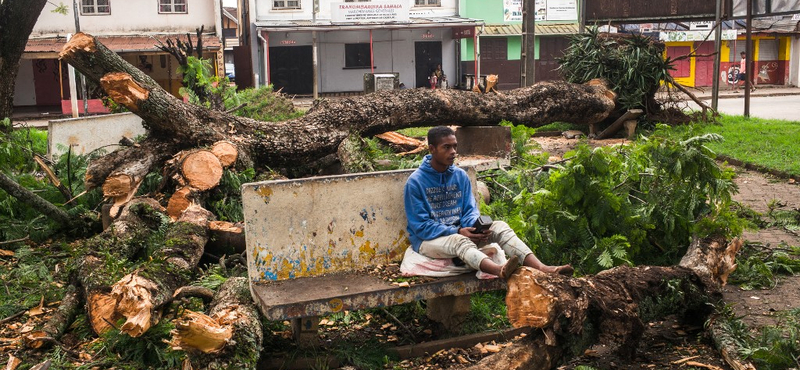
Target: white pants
{"type": "Point", "coordinates": [460, 246]}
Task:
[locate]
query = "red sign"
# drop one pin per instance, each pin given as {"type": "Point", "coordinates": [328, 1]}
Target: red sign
{"type": "Point", "coordinates": [463, 32]}
{"type": "Point", "coordinates": [288, 42]}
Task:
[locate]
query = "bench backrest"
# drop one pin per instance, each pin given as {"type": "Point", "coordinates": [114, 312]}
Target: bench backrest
{"type": "Point", "coordinates": [320, 225]}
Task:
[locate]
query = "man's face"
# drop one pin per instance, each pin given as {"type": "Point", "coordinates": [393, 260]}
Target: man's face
{"type": "Point", "coordinates": [444, 154]}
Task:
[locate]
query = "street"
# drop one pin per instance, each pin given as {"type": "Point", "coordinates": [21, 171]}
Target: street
{"type": "Point", "coordinates": [768, 107]}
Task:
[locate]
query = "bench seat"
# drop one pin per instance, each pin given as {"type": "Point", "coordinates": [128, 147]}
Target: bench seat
{"type": "Point", "coordinates": [350, 291]}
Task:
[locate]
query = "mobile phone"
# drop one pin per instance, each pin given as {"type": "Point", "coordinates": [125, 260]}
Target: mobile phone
{"type": "Point", "coordinates": [482, 224]}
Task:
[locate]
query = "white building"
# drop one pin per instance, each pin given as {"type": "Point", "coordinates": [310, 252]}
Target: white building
{"type": "Point", "coordinates": [131, 28]}
{"type": "Point", "coordinates": [409, 37]}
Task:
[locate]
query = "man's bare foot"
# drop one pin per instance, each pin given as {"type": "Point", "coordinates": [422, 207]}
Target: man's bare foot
{"type": "Point", "coordinates": [566, 270]}
{"type": "Point", "coordinates": [509, 268]}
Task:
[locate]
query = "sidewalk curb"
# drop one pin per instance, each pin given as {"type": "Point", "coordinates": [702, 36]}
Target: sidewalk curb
{"type": "Point", "coordinates": [758, 168]}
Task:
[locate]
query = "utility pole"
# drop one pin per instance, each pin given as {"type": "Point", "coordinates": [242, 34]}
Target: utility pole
{"type": "Point", "coordinates": [749, 59]}
{"type": "Point", "coordinates": [528, 75]}
{"type": "Point", "coordinates": [84, 90]}
{"type": "Point", "coordinates": [314, 60]}
{"type": "Point", "coordinates": [717, 56]}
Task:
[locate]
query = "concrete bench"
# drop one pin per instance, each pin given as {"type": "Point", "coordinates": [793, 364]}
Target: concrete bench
{"type": "Point", "coordinates": [311, 244]}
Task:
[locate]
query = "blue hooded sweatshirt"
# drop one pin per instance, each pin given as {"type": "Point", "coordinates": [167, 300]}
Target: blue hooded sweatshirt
{"type": "Point", "coordinates": [438, 203]}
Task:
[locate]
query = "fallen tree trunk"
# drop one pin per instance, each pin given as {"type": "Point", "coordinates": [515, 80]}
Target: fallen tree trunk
{"type": "Point", "coordinates": [139, 296]}
{"type": "Point", "coordinates": [120, 242]}
{"type": "Point", "coordinates": [229, 337]}
{"type": "Point", "coordinates": [575, 313]}
{"type": "Point", "coordinates": [297, 142]}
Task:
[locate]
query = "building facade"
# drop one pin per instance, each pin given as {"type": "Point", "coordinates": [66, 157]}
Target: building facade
{"type": "Point", "coordinates": [131, 28]}
{"type": "Point", "coordinates": [500, 40]}
{"type": "Point", "coordinates": [352, 39]}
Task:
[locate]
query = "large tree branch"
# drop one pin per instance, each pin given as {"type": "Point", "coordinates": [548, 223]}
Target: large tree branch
{"type": "Point", "coordinates": [318, 133]}
{"type": "Point", "coordinates": [38, 203]}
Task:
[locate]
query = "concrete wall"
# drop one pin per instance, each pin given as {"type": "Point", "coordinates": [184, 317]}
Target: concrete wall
{"type": "Point", "coordinates": [89, 133]}
{"type": "Point", "coordinates": [24, 91]}
{"type": "Point", "coordinates": [130, 17]}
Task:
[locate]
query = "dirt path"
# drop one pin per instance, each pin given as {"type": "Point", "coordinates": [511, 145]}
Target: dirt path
{"type": "Point", "coordinates": [758, 191]}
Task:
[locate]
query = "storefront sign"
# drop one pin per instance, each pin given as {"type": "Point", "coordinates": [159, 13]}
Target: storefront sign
{"type": "Point", "coordinates": [678, 36]}
{"type": "Point", "coordinates": [545, 10]}
{"type": "Point", "coordinates": [562, 10]}
{"type": "Point", "coordinates": [428, 35]}
{"type": "Point", "coordinates": [288, 42]}
{"type": "Point", "coordinates": [369, 12]}
{"type": "Point", "coordinates": [463, 32]}
{"type": "Point", "coordinates": [512, 10]}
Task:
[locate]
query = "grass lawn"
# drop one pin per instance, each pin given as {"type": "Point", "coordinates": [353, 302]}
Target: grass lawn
{"type": "Point", "coordinates": [771, 143]}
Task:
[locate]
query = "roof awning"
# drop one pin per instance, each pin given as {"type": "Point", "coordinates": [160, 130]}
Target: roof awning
{"type": "Point", "coordinates": [541, 29]}
{"type": "Point", "coordinates": [327, 25]}
{"type": "Point", "coordinates": [120, 44]}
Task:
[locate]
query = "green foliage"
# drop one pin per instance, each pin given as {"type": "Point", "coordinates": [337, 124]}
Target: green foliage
{"type": "Point", "coordinates": [17, 150]}
{"type": "Point", "coordinates": [634, 204]}
{"type": "Point", "coordinates": [225, 200]}
{"type": "Point", "coordinates": [61, 8]}
{"type": "Point", "coordinates": [759, 267]}
{"type": "Point", "coordinates": [487, 312]}
{"type": "Point", "coordinates": [633, 65]}
{"type": "Point", "coordinates": [773, 347]}
{"type": "Point", "coordinates": [145, 351]}
{"type": "Point", "coordinates": [28, 280]}
{"type": "Point", "coordinates": [203, 87]}
{"type": "Point", "coordinates": [263, 104]}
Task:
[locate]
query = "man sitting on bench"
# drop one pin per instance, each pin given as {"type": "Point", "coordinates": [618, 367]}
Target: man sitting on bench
{"type": "Point", "coordinates": [441, 210]}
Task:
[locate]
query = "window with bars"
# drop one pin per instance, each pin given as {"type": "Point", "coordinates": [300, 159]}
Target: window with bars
{"type": "Point", "coordinates": [94, 7]}
{"type": "Point", "coordinates": [172, 6]}
{"type": "Point", "coordinates": [427, 2]}
{"type": "Point", "coordinates": [285, 4]}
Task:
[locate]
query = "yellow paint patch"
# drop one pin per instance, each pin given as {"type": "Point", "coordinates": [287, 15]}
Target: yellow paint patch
{"type": "Point", "coordinates": [336, 304]}
{"type": "Point", "coordinates": [367, 251]}
{"type": "Point", "coordinates": [285, 270]}
{"type": "Point", "coordinates": [264, 191]}
{"type": "Point", "coordinates": [360, 233]}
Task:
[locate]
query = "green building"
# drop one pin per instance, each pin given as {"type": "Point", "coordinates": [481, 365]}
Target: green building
{"type": "Point", "coordinates": [500, 40]}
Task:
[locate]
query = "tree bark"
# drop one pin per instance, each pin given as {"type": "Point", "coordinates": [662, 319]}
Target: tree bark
{"type": "Point", "coordinates": [140, 295]}
{"type": "Point", "coordinates": [229, 337]}
{"type": "Point", "coordinates": [575, 313]}
{"type": "Point", "coordinates": [121, 241]}
{"type": "Point", "coordinates": [306, 139]}
{"type": "Point", "coordinates": [38, 203]}
{"type": "Point", "coordinates": [17, 18]}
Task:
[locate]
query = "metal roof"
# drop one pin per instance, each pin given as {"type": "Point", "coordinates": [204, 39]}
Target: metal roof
{"type": "Point", "coordinates": [326, 25]}
{"type": "Point", "coordinates": [541, 29]}
{"type": "Point", "coordinates": [119, 44]}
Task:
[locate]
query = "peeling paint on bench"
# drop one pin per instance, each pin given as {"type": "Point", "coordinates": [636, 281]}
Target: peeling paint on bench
{"type": "Point", "coordinates": [315, 226]}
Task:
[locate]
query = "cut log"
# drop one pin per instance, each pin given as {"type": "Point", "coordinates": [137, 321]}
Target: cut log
{"type": "Point", "coordinates": [226, 152]}
{"type": "Point", "coordinates": [605, 304]}
{"type": "Point", "coordinates": [226, 238]}
{"type": "Point", "coordinates": [134, 162]}
{"type": "Point", "coordinates": [180, 201]}
{"type": "Point", "coordinates": [229, 337]}
{"type": "Point", "coordinates": [57, 324]}
{"type": "Point", "coordinates": [294, 144]}
{"type": "Point", "coordinates": [201, 169]}
{"type": "Point", "coordinates": [400, 142]}
{"type": "Point", "coordinates": [139, 296]}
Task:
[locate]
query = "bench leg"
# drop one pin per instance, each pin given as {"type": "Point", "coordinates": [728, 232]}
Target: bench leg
{"type": "Point", "coordinates": [305, 331]}
{"type": "Point", "coordinates": [450, 311]}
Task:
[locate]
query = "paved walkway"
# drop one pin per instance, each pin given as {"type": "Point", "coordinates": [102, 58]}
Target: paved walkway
{"type": "Point", "coordinates": [758, 191]}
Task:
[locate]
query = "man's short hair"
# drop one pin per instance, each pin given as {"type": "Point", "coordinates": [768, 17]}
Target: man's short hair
{"type": "Point", "coordinates": [742, 53]}
{"type": "Point", "coordinates": [436, 134]}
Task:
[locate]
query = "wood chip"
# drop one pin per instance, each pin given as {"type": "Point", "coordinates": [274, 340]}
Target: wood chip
{"type": "Point", "coordinates": [12, 363]}
{"type": "Point", "coordinates": [678, 362]}
{"type": "Point", "coordinates": [404, 284]}
{"type": "Point", "coordinates": [6, 253]}
{"type": "Point", "coordinates": [38, 310]}
{"type": "Point", "coordinates": [699, 364]}
{"type": "Point", "coordinates": [492, 348]}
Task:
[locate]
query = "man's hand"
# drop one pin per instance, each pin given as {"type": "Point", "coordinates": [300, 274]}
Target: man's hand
{"type": "Point", "coordinates": [475, 237]}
